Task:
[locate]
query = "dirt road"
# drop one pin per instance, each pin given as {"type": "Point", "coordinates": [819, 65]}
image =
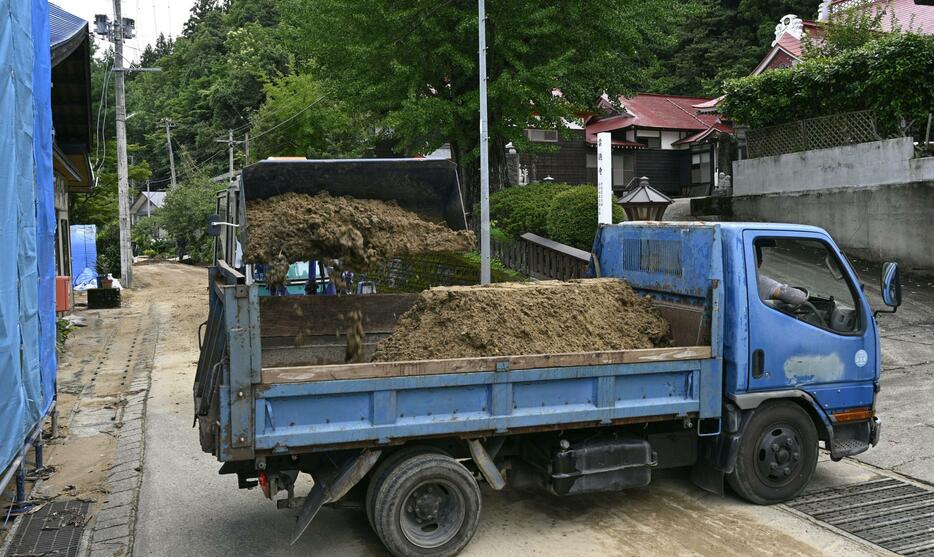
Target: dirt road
{"type": "Point", "coordinates": [186, 508]}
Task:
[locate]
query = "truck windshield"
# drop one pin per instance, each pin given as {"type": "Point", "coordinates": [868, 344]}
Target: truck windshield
{"type": "Point", "coordinates": [804, 278]}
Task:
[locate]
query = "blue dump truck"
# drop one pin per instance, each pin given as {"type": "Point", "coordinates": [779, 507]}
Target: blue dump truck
{"type": "Point", "coordinates": [747, 393]}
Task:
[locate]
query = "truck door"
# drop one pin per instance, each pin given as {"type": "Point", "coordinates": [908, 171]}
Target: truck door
{"type": "Point", "coordinates": [825, 345]}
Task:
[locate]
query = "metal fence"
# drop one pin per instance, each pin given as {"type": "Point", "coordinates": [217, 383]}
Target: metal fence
{"type": "Point", "coordinates": [816, 133]}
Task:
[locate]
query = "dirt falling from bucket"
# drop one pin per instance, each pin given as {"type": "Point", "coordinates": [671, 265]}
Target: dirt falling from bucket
{"type": "Point", "coordinates": [358, 232]}
{"type": "Point", "coordinates": [549, 317]}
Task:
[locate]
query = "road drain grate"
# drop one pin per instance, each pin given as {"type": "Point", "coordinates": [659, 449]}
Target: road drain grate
{"type": "Point", "coordinates": [890, 513]}
{"type": "Point", "coordinates": [52, 531]}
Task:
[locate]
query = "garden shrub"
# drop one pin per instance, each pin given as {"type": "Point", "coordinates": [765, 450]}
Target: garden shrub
{"type": "Point", "coordinates": [572, 217]}
{"type": "Point", "coordinates": [520, 209]}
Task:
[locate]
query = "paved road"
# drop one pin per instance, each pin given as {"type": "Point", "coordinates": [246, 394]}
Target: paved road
{"type": "Point", "coordinates": [187, 509]}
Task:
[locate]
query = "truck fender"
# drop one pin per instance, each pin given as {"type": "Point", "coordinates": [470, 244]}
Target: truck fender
{"type": "Point", "coordinates": [748, 402]}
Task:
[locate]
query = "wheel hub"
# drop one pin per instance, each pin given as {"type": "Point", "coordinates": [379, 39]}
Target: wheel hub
{"type": "Point", "coordinates": [432, 514]}
{"type": "Point", "coordinates": [779, 455]}
{"type": "Point", "coordinates": [426, 506]}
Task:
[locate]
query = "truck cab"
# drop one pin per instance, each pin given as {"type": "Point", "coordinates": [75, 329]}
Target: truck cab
{"type": "Point", "coordinates": [821, 356]}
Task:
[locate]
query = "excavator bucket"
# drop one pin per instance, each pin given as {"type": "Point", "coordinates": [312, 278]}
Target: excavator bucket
{"type": "Point", "coordinates": [428, 187]}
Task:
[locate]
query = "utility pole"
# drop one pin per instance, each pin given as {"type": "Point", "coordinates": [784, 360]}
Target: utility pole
{"type": "Point", "coordinates": [246, 149]}
{"type": "Point", "coordinates": [230, 145]}
{"type": "Point", "coordinates": [484, 156]}
{"type": "Point", "coordinates": [148, 201]}
{"type": "Point", "coordinates": [126, 256]}
{"type": "Point", "coordinates": [169, 124]}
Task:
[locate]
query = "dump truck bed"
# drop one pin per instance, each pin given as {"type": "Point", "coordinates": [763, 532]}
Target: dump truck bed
{"type": "Point", "coordinates": [262, 398]}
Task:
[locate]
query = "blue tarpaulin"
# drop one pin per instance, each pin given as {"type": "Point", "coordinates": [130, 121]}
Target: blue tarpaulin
{"type": "Point", "coordinates": [27, 223]}
{"type": "Point", "coordinates": [83, 253]}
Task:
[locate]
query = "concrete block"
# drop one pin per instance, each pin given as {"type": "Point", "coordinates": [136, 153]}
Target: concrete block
{"type": "Point", "coordinates": [111, 533]}
{"type": "Point", "coordinates": [120, 499]}
{"type": "Point", "coordinates": [115, 486]}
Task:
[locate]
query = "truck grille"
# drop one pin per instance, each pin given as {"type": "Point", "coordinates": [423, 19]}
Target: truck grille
{"type": "Point", "coordinates": [890, 513]}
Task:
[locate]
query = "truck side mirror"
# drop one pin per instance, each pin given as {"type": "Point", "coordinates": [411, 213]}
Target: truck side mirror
{"type": "Point", "coordinates": [214, 229]}
{"type": "Point", "coordinates": [891, 285]}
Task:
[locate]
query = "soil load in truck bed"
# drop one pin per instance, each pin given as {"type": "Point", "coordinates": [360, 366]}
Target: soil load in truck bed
{"type": "Point", "coordinates": [549, 317]}
{"type": "Point", "coordinates": [358, 232]}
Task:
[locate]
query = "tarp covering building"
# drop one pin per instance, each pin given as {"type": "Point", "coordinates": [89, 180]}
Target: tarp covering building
{"type": "Point", "coordinates": [27, 224]}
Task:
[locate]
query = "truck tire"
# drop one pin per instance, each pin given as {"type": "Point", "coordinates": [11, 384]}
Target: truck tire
{"type": "Point", "coordinates": [382, 470]}
{"type": "Point", "coordinates": [777, 454]}
{"type": "Point", "coordinates": [428, 505]}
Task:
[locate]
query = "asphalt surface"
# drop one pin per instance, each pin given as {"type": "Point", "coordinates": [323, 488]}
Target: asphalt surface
{"type": "Point", "coordinates": [186, 508]}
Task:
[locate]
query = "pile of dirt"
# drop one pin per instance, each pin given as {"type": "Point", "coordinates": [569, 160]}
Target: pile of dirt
{"type": "Point", "coordinates": [503, 319]}
{"type": "Point", "coordinates": [358, 232]}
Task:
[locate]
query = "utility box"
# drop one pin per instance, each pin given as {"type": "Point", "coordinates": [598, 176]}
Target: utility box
{"type": "Point", "coordinates": [63, 295]}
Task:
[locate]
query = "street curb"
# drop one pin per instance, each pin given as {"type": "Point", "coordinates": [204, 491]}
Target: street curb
{"type": "Point", "coordinates": [115, 522]}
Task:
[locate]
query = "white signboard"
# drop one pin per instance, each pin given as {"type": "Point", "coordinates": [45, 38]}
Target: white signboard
{"type": "Point", "coordinates": [604, 178]}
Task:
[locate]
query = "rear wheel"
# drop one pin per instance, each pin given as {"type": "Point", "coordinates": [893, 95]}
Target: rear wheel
{"type": "Point", "coordinates": [428, 504]}
{"type": "Point", "coordinates": [382, 470]}
{"type": "Point", "coordinates": [777, 455]}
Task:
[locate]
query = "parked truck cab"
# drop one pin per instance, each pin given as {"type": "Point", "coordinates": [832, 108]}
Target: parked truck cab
{"type": "Point", "coordinates": [750, 389]}
{"type": "Point", "coordinates": [793, 375]}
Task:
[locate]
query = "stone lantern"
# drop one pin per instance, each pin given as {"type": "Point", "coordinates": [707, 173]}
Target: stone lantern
{"type": "Point", "coordinates": [644, 202]}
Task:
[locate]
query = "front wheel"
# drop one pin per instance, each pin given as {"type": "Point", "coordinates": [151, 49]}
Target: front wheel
{"type": "Point", "coordinates": [428, 504]}
{"type": "Point", "coordinates": [777, 454]}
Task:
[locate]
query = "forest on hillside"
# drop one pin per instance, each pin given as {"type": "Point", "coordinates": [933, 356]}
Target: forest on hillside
{"type": "Point", "coordinates": [321, 78]}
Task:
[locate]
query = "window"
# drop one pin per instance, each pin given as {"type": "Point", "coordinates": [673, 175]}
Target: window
{"type": "Point", "coordinates": [804, 279]}
{"type": "Point", "coordinates": [700, 167]}
{"type": "Point", "coordinates": [542, 136]}
{"type": "Point", "coordinates": [650, 142]}
{"type": "Point", "coordinates": [591, 160]}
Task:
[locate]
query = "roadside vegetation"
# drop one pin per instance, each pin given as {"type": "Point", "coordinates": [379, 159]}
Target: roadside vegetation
{"type": "Point", "coordinates": [562, 212]}
{"type": "Point", "coordinates": [886, 74]}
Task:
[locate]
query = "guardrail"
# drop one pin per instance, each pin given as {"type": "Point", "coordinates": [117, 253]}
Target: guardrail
{"type": "Point", "coordinates": [541, 258]}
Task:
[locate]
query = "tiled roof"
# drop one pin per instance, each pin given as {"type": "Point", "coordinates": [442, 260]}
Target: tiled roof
{"type": "Point", "coordinates": [63, 25]}
{"type": "Point", "coordinates": [907, 14]}
{"type": "Point", "coordinates": [649, 110]}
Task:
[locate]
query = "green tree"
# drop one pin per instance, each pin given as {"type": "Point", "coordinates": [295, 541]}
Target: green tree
{"type": "Point", "coordinates": [848, 30]}
{"type": "Point", "coordinates": [727, 39]}
{"type": "Point", "coordinates": [304, 116]}
{"type": "Point", "coordinates": [413, 65]}
{"type": "Point", "coordinates": [184, 216]}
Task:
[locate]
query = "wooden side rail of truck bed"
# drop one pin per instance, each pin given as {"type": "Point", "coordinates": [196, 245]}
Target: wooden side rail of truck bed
{"type": "Point", "coordinates": [302, 374]}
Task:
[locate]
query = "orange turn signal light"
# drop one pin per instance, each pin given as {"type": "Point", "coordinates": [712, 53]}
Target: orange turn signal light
{"type": "Point", "coordinates": [853, 415]}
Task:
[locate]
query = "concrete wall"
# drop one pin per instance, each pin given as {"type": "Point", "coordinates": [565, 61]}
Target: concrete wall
{"type": "Point", "coordinates": [866, 164]}
{"type": "Point", "coordinates": [881, 223]}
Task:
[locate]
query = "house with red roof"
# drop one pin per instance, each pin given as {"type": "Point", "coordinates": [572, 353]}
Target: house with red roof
{"type": "Point", "coordinates": [675, 141]}
{"type": "Point", "coordinates": [792, 32]}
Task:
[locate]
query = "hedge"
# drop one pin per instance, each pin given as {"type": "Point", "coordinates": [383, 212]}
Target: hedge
{"type": "Point", "coordinates": [572, 217]}
{"type": "Point", "coordinates": [520, 209]}
{"type": "Point", "coordinates": [890, 76]}
{"type": "Point", "coordinates": [561, 212]}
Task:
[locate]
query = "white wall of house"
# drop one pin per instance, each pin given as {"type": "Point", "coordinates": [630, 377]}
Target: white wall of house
{"type": "Point", "coordinates": [670, 137]}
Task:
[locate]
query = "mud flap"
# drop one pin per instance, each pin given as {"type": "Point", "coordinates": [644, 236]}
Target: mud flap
{"type": "Point", "coordinates": [329, 489]}
{"type": "Point", "coordinates": [707, 477]}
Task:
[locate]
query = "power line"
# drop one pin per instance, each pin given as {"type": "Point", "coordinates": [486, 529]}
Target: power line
{"type": "Point", "coordinates": [292, 117]}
